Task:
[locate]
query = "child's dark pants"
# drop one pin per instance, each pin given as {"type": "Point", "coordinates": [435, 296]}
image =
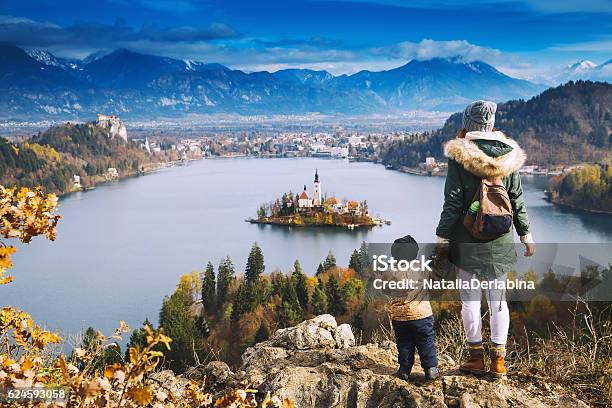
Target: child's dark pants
{"type": "Point", "coordinates": [416, 333]}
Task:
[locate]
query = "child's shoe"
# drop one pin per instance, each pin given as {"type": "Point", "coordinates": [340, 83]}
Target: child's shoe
{"type": "Point", "coordinates": [432, 373]}
{"type": "Point", "coordinates": [403, 373]}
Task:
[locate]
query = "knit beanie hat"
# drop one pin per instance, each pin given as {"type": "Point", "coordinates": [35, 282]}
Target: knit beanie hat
{"type": "Point", "coordinates": [479, 115]}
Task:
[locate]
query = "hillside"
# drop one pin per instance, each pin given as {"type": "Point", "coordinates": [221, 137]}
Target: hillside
{"type": "Point", "coordinates": [36, 84]}
{"type": "Point", "coordinates": [568, 124]}
{"type": "Point", "coordinates": [51, 159]}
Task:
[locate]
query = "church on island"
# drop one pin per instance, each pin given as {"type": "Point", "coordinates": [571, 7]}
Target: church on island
{"type": "Point", "coordinates": [330, 205]}
{"type": "Point", "coordinates": [317, 210]}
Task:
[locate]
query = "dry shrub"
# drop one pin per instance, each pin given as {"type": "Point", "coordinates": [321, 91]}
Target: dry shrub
{"type": "Point", "coordinates": [450, 338]}
{"type": "Point", "coordinates": [577, 356]}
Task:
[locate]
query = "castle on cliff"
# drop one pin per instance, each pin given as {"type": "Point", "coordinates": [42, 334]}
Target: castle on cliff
{"type": "Point", "coordinates": [113, 124]}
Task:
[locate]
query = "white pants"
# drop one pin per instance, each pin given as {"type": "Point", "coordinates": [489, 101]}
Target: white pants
{"type": "Point", "coordinates": [471, 314]}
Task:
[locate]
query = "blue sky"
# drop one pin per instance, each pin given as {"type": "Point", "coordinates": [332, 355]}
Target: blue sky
{"type": "Point", "coordinates": [530, 39]}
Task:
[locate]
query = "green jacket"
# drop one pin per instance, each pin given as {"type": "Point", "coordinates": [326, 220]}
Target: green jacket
{"type": "Point", "coordinates": [480, 155]}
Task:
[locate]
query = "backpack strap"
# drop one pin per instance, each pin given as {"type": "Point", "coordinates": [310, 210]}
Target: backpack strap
{"type": "Point", "coordinates": [466, 203]}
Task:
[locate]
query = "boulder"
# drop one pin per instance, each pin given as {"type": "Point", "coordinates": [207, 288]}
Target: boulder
{"type": "Point", "coordinates": [310, 334]}
{"type": "Point", "coordinates": [218, 374]}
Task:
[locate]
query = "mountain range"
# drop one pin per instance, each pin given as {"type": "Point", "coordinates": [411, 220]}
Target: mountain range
{"type": "Point", "coordinates": [568, 124]}
{"type": "Point", "coordinates": [35, 84]}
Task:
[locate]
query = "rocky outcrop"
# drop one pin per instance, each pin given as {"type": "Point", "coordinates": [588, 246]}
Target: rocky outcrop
{"type": "Point", "coordinates": [114, 126]}
{"type": "Point", "coordinates": [317, 364]}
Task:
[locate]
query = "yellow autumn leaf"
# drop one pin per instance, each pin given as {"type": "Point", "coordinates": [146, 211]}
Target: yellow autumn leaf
{"type": "Point", "coordinates": [109, 370]}
{"type": "Point", "coordinates": [140, 394]}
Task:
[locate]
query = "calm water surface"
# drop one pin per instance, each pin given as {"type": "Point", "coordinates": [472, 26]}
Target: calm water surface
{"type": "Point", "coordinates": [122, 247]}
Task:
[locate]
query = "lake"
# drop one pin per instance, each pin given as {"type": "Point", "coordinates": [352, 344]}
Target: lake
{"type": "Point", "coordinates": [122, 247]}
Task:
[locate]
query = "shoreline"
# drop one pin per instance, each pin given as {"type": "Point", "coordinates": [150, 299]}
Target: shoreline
{"type": "Point", "coordinates": [100, 180]}
{"type": "Point", "coordinates": [306, 225]}
{"type": "Point", "coordinates": [573, 207]}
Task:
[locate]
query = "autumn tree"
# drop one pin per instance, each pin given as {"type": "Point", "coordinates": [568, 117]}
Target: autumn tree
{"type": "Point", "coordinates": [208, 288]}
{"type": "Point", "coordinates": [191, 285]}
{"type": "Point", "coordinates": [24, 215]}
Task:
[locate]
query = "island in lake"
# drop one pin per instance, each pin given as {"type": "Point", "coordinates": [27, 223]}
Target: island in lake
{"type": "Point", "coordinates": [302, 210]}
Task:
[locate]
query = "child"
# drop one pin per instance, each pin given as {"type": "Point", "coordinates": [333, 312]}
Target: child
{"type": "Point", "coordinates": [412, 320]}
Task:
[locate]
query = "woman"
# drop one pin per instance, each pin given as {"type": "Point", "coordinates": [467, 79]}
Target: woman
{"type": "Point", "coordinates": [480, 152]}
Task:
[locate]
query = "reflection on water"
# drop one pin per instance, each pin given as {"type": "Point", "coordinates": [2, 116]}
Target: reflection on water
{"type": "Point", "coordinates": [122, 247]}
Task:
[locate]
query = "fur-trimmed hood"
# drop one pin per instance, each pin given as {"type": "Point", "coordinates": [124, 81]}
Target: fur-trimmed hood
{"type": "Point", "coordinates": [467, 153]}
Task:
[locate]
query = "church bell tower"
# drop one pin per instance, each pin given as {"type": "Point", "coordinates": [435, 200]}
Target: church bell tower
{"type": "Point", "coordinates": [317, 190]}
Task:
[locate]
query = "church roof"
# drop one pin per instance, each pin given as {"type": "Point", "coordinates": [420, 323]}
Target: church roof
{"type": "Point", "coordinates": [316, 180]}
{"type": "Point", "coordinates": [331, 201]}
{"type": "Point", "coordinates": [304, 195]}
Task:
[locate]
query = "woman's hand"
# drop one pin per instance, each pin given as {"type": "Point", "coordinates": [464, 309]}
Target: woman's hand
{"type": "Point", "coordinates": [530, 246]}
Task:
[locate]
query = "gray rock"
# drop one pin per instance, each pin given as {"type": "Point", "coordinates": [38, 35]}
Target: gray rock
{"type": "Point", "coordinates": [310, 334]}
{"type": "Point", "coordinates": [565, 401]}
{"type": "Point", "coordinates": [218, 374]}
{"type": "Point", "coordinates": [344, 336]}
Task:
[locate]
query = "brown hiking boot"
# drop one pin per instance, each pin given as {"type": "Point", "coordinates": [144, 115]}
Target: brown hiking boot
{"type": "Point", "coordinates": [475, 363]}
{"type": "Point", "coordinates": [498, 362]}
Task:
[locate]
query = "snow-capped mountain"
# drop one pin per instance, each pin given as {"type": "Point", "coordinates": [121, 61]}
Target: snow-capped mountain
{"type": "Point", "coordinates": [586, 70]}
{"type": "Point", "coordinates": [46, 58]}
{"type": "Point", "coordinates": [38, 84]}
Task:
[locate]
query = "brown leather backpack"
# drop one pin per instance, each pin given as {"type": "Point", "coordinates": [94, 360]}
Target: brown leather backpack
{"type": "Point", "coordinates": [494, 217]}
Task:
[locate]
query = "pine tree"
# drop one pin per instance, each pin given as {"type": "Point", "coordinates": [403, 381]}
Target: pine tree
{"type": "Point", "coordinates": [358, 319]}
{"type": "Point", "coordinates": [319, 299]}
{"type": "Point", "coordinates": [208, 288]}
{"type": "Point", "coordinates": [330, 261]}
{"type": "Point", "coordinates": [255, 264]}
{"type": "Point", "coordinates": [320, 270]}
{"type": "Point", "coordinates": [289, 314]}
{"type": "Point", "coordinates": [335, 296]}
{"type": "Point", "coordinates": [354, 262]}
{"type": "Point", "coordinates": [224, 279]}
{"type": "Point", "coordinates": [263, 333]}
{"type": "Point", "coordinates": [177, 321]}
{"type": "Point", "coordinates": [301, 286]}
{"type": "Point", "coordinates": [240, 304]}
{"type": "Point", "coordinates": [364, 258]}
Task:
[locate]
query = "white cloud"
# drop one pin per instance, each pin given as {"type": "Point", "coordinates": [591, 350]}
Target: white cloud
{"type": "Point", "coordinates": [428, 48]}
